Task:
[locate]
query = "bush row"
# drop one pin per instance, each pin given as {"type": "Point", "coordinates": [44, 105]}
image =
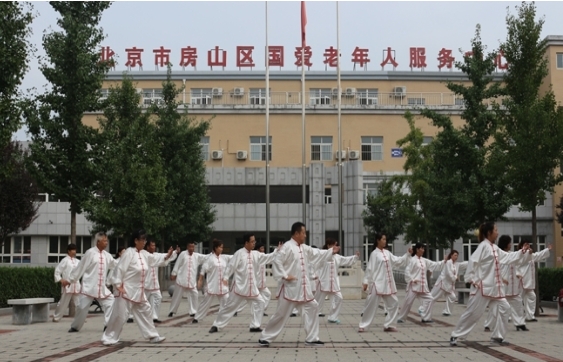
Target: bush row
{"type": "Point", "coordinates": [550, 282]}
{"type": "Point", "coordinates": [27, 282]}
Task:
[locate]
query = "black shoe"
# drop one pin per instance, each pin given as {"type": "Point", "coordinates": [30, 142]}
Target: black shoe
{"type": "Point", "coordinates": [321, 315]}
{"type": "Point", "coordinates": [105, 327]}
{"type": "Point", "coordinates": [453, 341]}
{"type": "Point", "coordinates": [213, 329]}
{"type": "Point", "coordinates": [170, 315]}
{"type": "Point", "coordinates": [236, 313]}
{"type": "Point", "coordinates": [256, 329]}
{"type": "Point", "coordinates": [361, 315]}
{"type": "Point", "coordinates": [265, 315]}
{"type": "Point", "coordinates": [156, 321]}
{"type": "Point", "coordinates": [263, 343]}
{"type": "Point", "coordinates": [72, 330]}
{"type": "Point", "coordinates": [192, 315]}
{"type": "Point", "coordinates": [129, 320]}
{"type": "Point", "coordinates": [499, 341]}
{"type": "Point", "coordinates": [315, 343]}
{"type": "Point", "coordinates": [428, 321]}
{"type": "Point", "coordinates": [195, 321]}
{"type": "Point", "coordinates": [522, 328]}
{"type": "Point", "coordinates": [531, 320]}
{"type": "Point", "coordinates": [487, 329]}
{"type": "Point", "coordinates": [293, 315]}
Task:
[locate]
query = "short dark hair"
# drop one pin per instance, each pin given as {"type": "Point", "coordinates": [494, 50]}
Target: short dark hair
{"type": "Point", "coordinates": [504, 241]}
{"type": "Point", "coordinates": [119, 250]}
{"type": "Point", "coordinates": [139, 234]}
{"type": "Point", "coordinates": [485, 229]}
{"type": "Point", "coordinates": [150, 240]}
{"type": "Point", "coordinates": [216, 243]}
{"type": "Point", "coordinates": [330, 242]}
{"type": "Point", "coordinates": [190, 242]}
{"type": "Point", "coordinates": [416, 247]}
{"type": "Point", "coordinates": [258, 246]}
{"type": "Point", "coordinates": [452, 253]}
{"type": "Point", "coordinates": [70, 247]}
{"type": "Point", "coordinates": [246, 237]}
{"type": "Point", "coordinates": [378, 236]}
{"type": "Point", "coordinates": [522, 242]}
{"type": "Point", "coordinates": [296, 227]}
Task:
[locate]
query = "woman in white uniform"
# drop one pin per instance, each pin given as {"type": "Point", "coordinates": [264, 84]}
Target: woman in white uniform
{"type": "Point", "coordinates": [71, 291]}
{"type": "Point", "coordinates": [528, 281]}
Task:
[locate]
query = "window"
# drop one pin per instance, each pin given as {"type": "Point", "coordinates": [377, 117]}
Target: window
{"type": "Point", "coordinates": [469, 246]}
{"type": "Point", "coordinates": [16, 250]}
{"type": "Point", "coordinates": [541, 244]}
{"type": "Point", "coordinates": [201, 95]}
{"type": "Point", "coordinates": [258, 96]}
{"type": "Point", "coordinates": [328, 195]}
{"type": "Point", "coordinates": [367, 96]}
{"type": "Point", "coordinates": [204, 143]}
{"type": "Point", "coordinates": [320, 96]}
{"type": "Point", "coordinates": [114, 243]}
{"type": "Point", "coordinates": [559, 60]}
{"type": "Point", "coordinates": [459, 102]}
{"type": "Point", "coordinates": [416, 101]}
{"type": "Point", "coordinates": [426, 140]}
{"type": "Point", "coordinates": [151, 96]}
{"type": "Point", "coordinates": [104, 93]}
{"type": "Point", "coordinates": [258, 148]}
{"type": "Point", "coordinates": [321, 148]}
{"type": "Point", "coordinates": [372, 148]}
{"type": "Point", "coordinates": [370, 189]}
{"type": "Point", "coordinates": [59, 244]}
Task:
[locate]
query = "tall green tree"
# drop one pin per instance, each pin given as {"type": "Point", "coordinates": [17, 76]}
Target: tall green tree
{"type": "Point", "coordinates": [61, 148]}
{"type": "Point", "coordinates": [531, 120]}
{"type": "Point", "coordinates": [187, 210]}
{"type": "Point", "coordinates": [131, 189]}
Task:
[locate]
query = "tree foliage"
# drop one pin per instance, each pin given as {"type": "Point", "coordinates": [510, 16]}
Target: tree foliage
{"type": "Point", "coordinates": [61, 143]}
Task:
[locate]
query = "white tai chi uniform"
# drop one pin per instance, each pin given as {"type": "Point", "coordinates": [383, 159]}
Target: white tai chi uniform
{"type": "Point", "coordinates": [296, 260]}
{"type": "Point", "coordinates": [381, 284]}
{"type": "Point", "coordinates": [329, 283]}
{"type": "Point", "coordinates": [214, 267]}
{"type": "Point", "coordinates": [445, 286]}
{"type": "Point", "coordinates": [261, 280]}
{"type": "Point", "coordinates": [484, 270]}
{"type": "Point", "coordinates": [93, 269]}
{"type": "Point", "coordinates": [185, 271]}
{"type": "Point", "coordinates": [245, 265]}
{"type": "Point", "coordinates": [528, 272]}
{"type": "Point", "coordinates": [131, 272]}
{"type": "Point", "coordinates": [152, 287]}
{"type": "Point", "coordinates": [512, 291]}
{"type": "Point", "coordinates": [417, 285]}
{"type": "Point", "coordinates": [72, 291]}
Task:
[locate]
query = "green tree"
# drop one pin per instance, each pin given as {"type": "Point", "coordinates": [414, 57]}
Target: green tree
{"type": "Point", "coordinates": [61, 148]}
{"type": "Point", "coordinates": [131, 187]}
{"type": "Point", "coordinates": [187, 210]}
{"type": "Point", "coordinates": [531, 120]}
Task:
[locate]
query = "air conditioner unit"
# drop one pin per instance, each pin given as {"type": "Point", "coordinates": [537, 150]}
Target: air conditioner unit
{"type": "Point", "coordinates": [217, 92]}
{"type": "Point", "coordinates": [399, 91]}
{"type": "Point", "coordinates": [217, 155]}
{"type": "Point", "coordinates": [151, 101]}
{"type": "Point", "coordinates": [334, 92]}
{"type": "Point", "coordinates": [201, 100]}
{"type": "Point", "coordinates": [350, 92]}
{"type": "Point", "coordinates": [241, 155]}
{"type": "Point", "coordinates": [139, 90]}
{"type": "Point", "coordinates": [258, 100]}
{"type": "Point", "coordinates": [238, 92]}
{"type": "Point", "coordinates": [343, 155]}
{"type": "Point", "coordinates": [354, 155]}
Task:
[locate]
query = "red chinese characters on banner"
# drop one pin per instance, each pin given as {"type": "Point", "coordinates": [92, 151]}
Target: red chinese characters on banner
{"type": "Point", "coordinates": [468, 53]}
{"type": "Point", "coordinates": [275, 55]}
{"type": "Point", "coordinates": [417, 57]}
{"type": "Point", "coordinates": [331, 57]}
{"type": "Point", "coordinates": [188, 57]}
{"type": "Point", "coordinates": [219, 59]}
{"type": "Point", "coordinates": [161, 56]}
{"type": "Point", "coordinates": [106, 54]}
{"type": "Point", "coordinates": [307, 54]}
{"type": "Point", "coordinates": [389, 58]}
{"type": "Point", "coordinates": [498, 61]}
{"type": "Point", "coordinates": [360, 56]}
{"type": "Point", "coordinates": [445, 58]}
{"type": "Point", "coordinates": [134, 57]}
{"type": "Point", "coordinates": [244, 56]}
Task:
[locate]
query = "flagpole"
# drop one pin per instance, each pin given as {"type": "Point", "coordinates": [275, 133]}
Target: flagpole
{"type": "Point", "coordinates": [340, 193]}
{"type": "Point", "coordinates": [267, 250]}
{"type": "Point", "coordinates": [303, 171]}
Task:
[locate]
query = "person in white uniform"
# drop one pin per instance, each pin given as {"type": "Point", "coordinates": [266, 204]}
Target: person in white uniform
{"type": "Point", "coordinates": [417, 283]}
{"type": "Point", "coordinates": [71, 291]}
{"type": "Point", "coordinates": [328, 283]}
{"type": "Point", "coordinates": [245, 266]}
{"type": "Point", "coordinates": [185, 275]}
{"type": "Point", "coordinates": [528, 281]}
{"type": "Point", "coordinates": [93, 269]}
{"type": "Point", "coordinates": [483, 272]}
{"type": "Point", "coordinates": [291, 266]}
{"type": "Point", "coordinates": [152, 285]}
{"type": "Point", "coordinates": [128, 279]}
{"type": "Point", "coordinates": [214, 266]}
{"type": "Point", "coordinates": [381, 283]}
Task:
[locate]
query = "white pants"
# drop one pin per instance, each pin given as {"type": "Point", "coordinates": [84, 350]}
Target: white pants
{"type": "Point", "coordinates": [409, 300]}
{"type": "Point", "coordinates": [335, 305]}
{"type": "Point", "coordinates": [516, 312]}
{"type": "Point", "coordinates": [476, 308]}
{"type": "Point", "coordinates": [438, 293]}
{"type": "Point", "coordinates": [143, 318]}
{"type": "Point", "coordinates": [266, 295]}
{"type": "Point", "coordinates": [179, 291]}
{"type": "Point", "coordinates": [83, 306]}
{"type": "Point", "coordinates": [206, 303]}
{"type": "Point", "coordinates": [155, 298]}
{"type": "Point", "coordinates": [309, 310]}
{"type": "Point", "coordinates": [233, 303]}
{"type": "Point", "coordinates": [62, 305]}
{"type": "Point", "coordinates": [391, 306]}
{"type": "Point", "coordinates": [529, 299]}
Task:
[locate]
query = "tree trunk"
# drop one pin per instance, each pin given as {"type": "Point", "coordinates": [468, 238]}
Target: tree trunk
{"type": "Point", "coordinates": [73, 226]}
{"type": "Point", "coordinates": [536, 249]}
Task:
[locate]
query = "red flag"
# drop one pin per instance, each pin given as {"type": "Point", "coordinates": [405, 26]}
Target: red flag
{"type": "Point", "coordinates": [303, 23]}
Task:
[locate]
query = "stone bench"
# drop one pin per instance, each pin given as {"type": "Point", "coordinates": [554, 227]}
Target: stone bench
{"type": "Point", "coordinates": [30, 310]}
{"type": "Point", "coordinates": [462, 295]}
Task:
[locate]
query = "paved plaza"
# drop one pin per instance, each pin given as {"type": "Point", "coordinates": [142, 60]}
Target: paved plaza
{"type": "Point", "coordinates": [191, 342]}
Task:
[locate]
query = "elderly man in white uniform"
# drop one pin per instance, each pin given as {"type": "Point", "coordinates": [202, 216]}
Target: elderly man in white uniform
{"type": "Point", "coordinates": [245, 265]}
{"type": "Point", "coordinates": [93, 269]}
{"type": "Point", "coordinates": [71, 291]}
{"type": "Point", "coordinates": [152, 285]}
{"type": "Point", "coordinates": [185, 275]}
{"type": "Point", "coordinates": [528, 281]}
{"type": "Point", "coordinates": [291, 265]}
{"type": "Point", "coordinates": [487, 287]}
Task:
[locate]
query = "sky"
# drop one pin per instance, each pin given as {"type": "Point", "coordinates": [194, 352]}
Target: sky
{"type": "Point", "coordinates": [374, 25]}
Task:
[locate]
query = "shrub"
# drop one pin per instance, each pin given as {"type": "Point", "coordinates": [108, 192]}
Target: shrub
{"type": "Point", "coordinates": [24, 282]}
{"type": "Point", "coordinates": [550, 282]}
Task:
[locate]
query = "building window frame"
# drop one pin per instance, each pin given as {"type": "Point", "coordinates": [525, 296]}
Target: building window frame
{"type": "Point", "coordinates": [201, 96]}
{"type": "Point", "coordinates": [204, 144]}
{"type": "Point", "coordinates": [541, 244]}
{"type": "Point", "coordinates": [559, 60]}
{"type": "Point", "coordinates": [372, 148]}
{"type": "Point", "coordinates": [16, 250]}
{"type": "Point", "coordinates": [258, 148]}
{"type": "Point", "coordinates": [321, 148]}
{"type": "Point", "coordinates": [58, 247]}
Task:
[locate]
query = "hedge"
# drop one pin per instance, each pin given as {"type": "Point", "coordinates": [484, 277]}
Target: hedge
{"type": "Point", "coordinates": [550, 282]}
{"type": "Point", "coordinates": [27, 282]}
